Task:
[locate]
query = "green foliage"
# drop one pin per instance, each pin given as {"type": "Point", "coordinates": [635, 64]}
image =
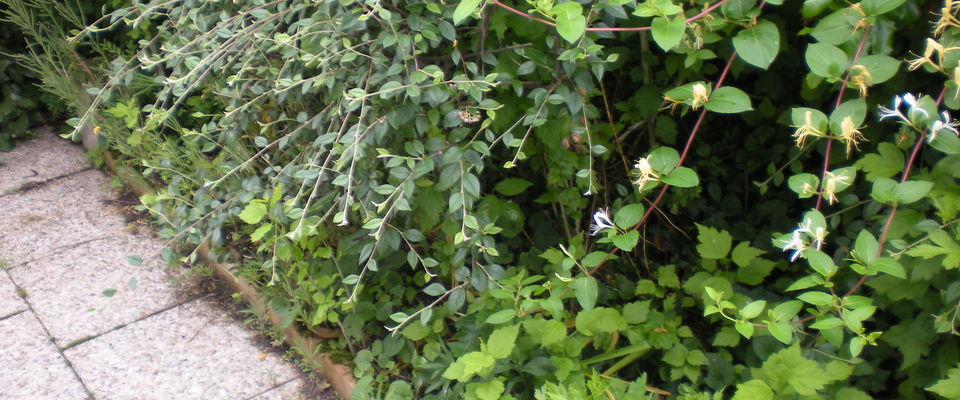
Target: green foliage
{"type": "Point", "coordinates": [497, 201]}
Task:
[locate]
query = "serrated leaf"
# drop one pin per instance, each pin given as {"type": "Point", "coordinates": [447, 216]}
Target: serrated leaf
{"type": "Point", "coordinates": [744, 254]}
{"type": "Point", "coordinates": [502, 340]}
{"type": "Point", "coordinates": [753, 390]}
{"type": "Point", "coordinates": [713, 244]}
{"type": "Point", "coordinates": [949, 386]}
{"type": "Point", "coordinates": [253, 212]}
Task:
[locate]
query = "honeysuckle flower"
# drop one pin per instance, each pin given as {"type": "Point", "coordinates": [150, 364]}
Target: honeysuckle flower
{"type": "Point", "coordinates": [913, 107]}
{"type": "Point", "coordinates": [601, 221]}
{"type": "Point", "coordinates": [862, 79]}
{"type": "Point", "coordinates": [850, 135]}
{"type": "Point", "coordinates": [796, 244]}
{"type": "Point", "coordinates": [806, 130]}
{"type": "Point", "coordinates": [830, 182]}
{"type": "Point", "coordinates": [646, 173]}
{"type": "Point", "coordinates": [700, 96]}
{"type": "Point", "coordinates": [932, 46]}
{"type": "Point", "coordinates": [945, 124]}
{"type": "Point", "coordinates": [893, 113]}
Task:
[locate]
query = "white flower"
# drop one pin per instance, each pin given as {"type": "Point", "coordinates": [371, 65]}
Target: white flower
{"type": "Point", "coordinates": [796, 244]}
{"type": "Point", "coordinates": [940, 125]}
{"type": "Point", "coordinates": [913, 107]}
{"type": "Point", "coordinates": [646, 173]}
{"type": "Point", "coordinates": [601, 221]}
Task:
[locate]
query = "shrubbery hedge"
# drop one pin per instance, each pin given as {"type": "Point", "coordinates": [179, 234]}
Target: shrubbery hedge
{"type": "Point", "coordinates": [568, 200]}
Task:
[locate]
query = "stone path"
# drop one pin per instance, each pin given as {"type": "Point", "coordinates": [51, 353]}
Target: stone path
{"type": "Point", "coordinates": [79, 321]}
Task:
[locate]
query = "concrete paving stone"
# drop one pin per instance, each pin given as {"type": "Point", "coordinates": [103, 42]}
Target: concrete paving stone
{"type": "Point", "coordinates": [48, 156]}
{"type": "Point", "coordinates": [191, 351]}
{"type": "Point", "coordinates": [67, 289]}
{"type": "Point", "coordinates": [40, 372]}
{"type": "Point", "coordinates": [9, 301]}
{"type": "Point", "coordinates": [292, 390]}
{"type": "Point", "coordinates": [57, 216]}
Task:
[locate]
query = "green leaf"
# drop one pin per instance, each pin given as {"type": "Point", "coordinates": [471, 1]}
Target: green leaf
{"type": "Point", "coordinates": [109, 292]}
{"type": "Point", "coordinates": [753, 309]}
{"type": "Point", "coordinates": [789, 367]}
{"type": "Point", "coordinates": [835, 28]}
{"type": "Point", "coordinates": [911, 191]}
{"type": "Point", "coordinates": [737, 9]}
{"type": "Point", "coordinates": [435, 289]}
{"type": "Point", "coordinates": [502, 340]}
{"type": "Point", "coordinates": [585, 289]}
{"type": "Point", "coordinates": [464, 10]}
{"type": "Point", "coordinates": [484, 391]}
{"type": "Point", "coordinates": [884, 191]}
{"type": "Point", "coordinates": [827, 323]}
{"type": "Point", "coordinates": [744, 254]}
{"type": "Point", "coordinates": [947, 143]}
{"type": "Point", "coordinates": [468, 365]}
{"type": "Point", "coordinates": [260, 232]}
{"type": "Point", "coordinates": [663, 159]}
{"type": "Point", "coordinates": [889, 266]}
{"type": "Point", "coordinates": [501, 317]}
{"type": "Point", "coordinates": [878, 7]}
{"type": "Point", "coordinates": [726, 337]}
{"type": "Point", "coordinates": [745, 328]}
{"type": "Point", "coordinates": [759, 45]}
{"type": "Point", "coordinates": [798, 115]}
{"type": "Point", "coordinates": [887, 162]}
{"type": "Point", "coordinates": [881, 68]}
{"type": "Point", "coordinates": [626, 241]}
{"type": "Point", "coordinates": [753, 390]}
{"type": "Point", "coordinates": [570, 20]}
{"type": "Point", "coordinates": [636, 312]}
{"type": "Point", "coordinates": [666, 32]}
{"type": "Point", "coordinates": [628, 216]}
{"type": "Point", "coordinates": [728, 100]}
{"type": "Point", "coordinates": [787, 310]}
{"type": "Point", "coordinates": [600, 320]}
{"type": "Point", "coordinates": [399, 390]}
{"type": "Point", "coordinates": [804, 184]}
{"type": "Point", "coordinates": [682, 177]}
{"type": "Point", "coordinates": [944, 245]}
{"type": "Point", "coordinates": [826, 60]}
{"type": "Point", "coordinates": [949, 386]}
{"type": "Point", "coordinates": [512, 186]}
{"type": "Point", "coordinates": [781, 331]}
{"type": "Point", "coordinates": [754, 273]}
{"type": "Point", "coordinates": [856, 109]}
{"type": "Point", "coordinates": [553, 331]}
{"type": "Point", "coordinates": [714, 244]}
{"type": "Point", "coordinates": [253, 212]}
{"type": "Point", "coordinates": [820, 262]}
{"type": "Point", "coordinates": [817, 298]}
{"type": "Point", "coordinates": [134, 260]}
{"type": "Point", "coordinates": [866, 247]}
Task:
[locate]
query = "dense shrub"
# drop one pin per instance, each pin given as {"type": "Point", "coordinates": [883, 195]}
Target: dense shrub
{"type": "Point", "coordinates": [434, 181]}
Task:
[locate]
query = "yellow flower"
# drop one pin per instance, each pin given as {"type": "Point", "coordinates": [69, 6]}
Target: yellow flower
{"type": "Point", "coordinates": [850, 135]}
{"type": "Point", "coordinates": [806, 130]}
{"type": "Point", "coordinates": [647, 174]}
{"type": "Point", "coordinates": [830, 183]}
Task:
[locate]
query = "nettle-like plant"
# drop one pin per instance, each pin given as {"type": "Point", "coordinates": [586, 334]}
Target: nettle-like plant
{"type": "Point", "coordinates": [478, 195]}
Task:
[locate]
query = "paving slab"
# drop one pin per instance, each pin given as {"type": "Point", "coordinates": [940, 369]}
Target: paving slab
{"type": "Point", "coordinates": [92, 288]}
{"type": "Point", "coordinates": [22, 165]}
{"type": "Point", "coordinates": [292, 390]}
{"type": "Point", "coordinates": [9, 301]}
{"type": "Point", "coordinates": [191, 351]}
{"type": "Point", "coordinates": [57, 216]}
{"type": "Point", "coordinates": [33, 368]}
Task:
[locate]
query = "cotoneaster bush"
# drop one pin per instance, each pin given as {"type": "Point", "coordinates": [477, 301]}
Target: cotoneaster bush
{"type": "Point", "coordinates": [569, 200]}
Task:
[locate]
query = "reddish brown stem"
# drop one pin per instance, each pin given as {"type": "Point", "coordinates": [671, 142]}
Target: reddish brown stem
{"type": "Point", "coordinates": [836, 105]}
{"type": "Point", "coordinates": [893, 210]}
{"type": "Point", "coordinates": [604, 29]}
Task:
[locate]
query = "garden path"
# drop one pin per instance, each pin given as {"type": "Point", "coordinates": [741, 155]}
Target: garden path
{"type": "Point", "coordinates": [78, 320]}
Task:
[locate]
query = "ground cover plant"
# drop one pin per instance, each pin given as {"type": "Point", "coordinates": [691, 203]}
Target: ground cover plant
{"type": "Point", "coordinates": [567, 200]}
